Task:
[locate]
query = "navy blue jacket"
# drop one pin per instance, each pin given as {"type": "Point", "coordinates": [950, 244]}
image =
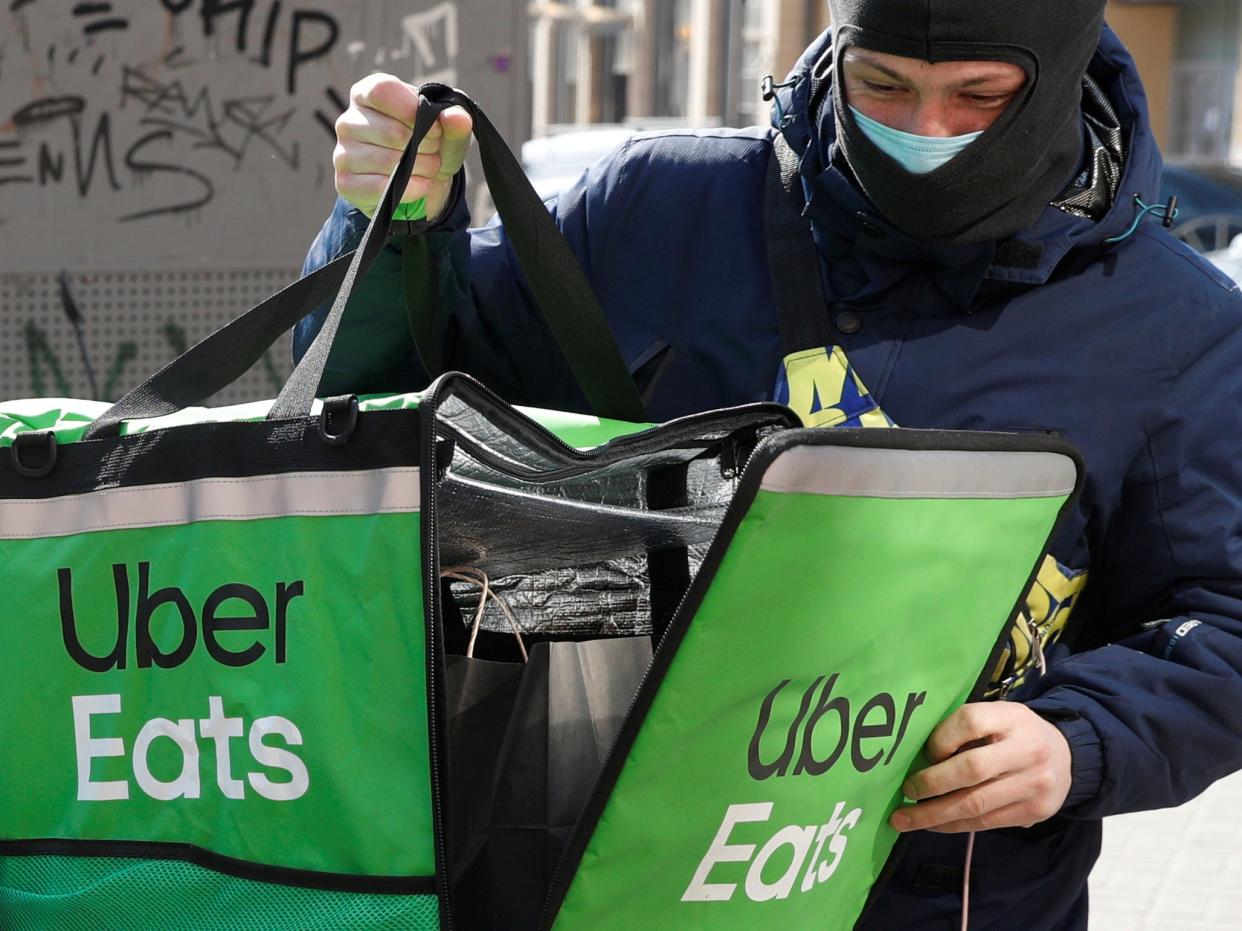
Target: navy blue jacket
{"type": "Point", "coordinates": [1133, 351]}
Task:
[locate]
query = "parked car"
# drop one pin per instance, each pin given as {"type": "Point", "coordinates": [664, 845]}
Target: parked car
{"type": "Point", "coordinates": [1209, 204]}
{"type": "Point", "coordinates": [554, 162]}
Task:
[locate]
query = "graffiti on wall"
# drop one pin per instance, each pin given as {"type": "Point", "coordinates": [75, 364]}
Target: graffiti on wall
{"type": "Point", "coordinates": [60, 139]}
{"type": "Point", "coordinates": [147, 122]}
{"type": "Point", "coordinates": [195, 135]}
{"type": "Point", "coordinates": [183, 119]}
{"type": "Point", "coordinates": [96, 336]}
{"type": "Point", "coordinates": [50, 376]}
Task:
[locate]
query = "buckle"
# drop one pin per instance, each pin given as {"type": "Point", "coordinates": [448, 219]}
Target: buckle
{"type": "Point", "coordinates": [338, 419]}
{"type": "Point", "coordinates": [25, 452]}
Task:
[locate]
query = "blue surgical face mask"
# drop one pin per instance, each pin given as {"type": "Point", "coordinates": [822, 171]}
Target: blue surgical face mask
{"type": "Point", "coordinates": [916, 154]}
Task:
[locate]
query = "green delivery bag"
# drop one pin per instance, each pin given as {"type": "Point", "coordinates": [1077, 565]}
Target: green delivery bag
{"type": "Point", "coordinates": [223, 659]}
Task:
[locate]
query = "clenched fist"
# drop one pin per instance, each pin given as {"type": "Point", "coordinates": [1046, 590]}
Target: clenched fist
{"type": "Point", "coordinates": [372, 133]}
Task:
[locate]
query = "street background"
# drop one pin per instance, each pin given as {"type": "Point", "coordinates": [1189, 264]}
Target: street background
{"type": "Point", "coordinates": [1174, 870]}
{"type": "Point", "coordinates": [164, 164]}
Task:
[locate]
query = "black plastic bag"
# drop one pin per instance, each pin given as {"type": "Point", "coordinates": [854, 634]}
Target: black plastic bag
{"type": "Point", "coordinates": [526, 743]}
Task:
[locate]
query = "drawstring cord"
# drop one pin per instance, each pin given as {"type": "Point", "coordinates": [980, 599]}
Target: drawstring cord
{"type": "Point", "coordinates": [769, 86]}
{"type": "Point", "coordinates": [1166, 212]}
{"type": "Point", "coordinates": [1037, 651]}
{"type": "Point", "coordinates": [477, 577]}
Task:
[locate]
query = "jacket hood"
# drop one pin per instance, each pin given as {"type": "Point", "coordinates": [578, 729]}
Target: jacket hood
{"type": "Point", "coordinates": [845, 222]}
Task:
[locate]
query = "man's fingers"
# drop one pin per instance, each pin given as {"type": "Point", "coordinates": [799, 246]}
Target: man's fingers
{"type": "Point", "coordinates": [1018, 815]}
{"type": "Point", "coordinates": [969, 724]}
{"type": "Point", "coordinates": [368, 189]}
{"type": "Point", "coordinates": [995, 765]}
{"type": "Point", "coordinates": [372, 128]}
{"type": "Point", "coordinates": [457, 126]}
{"type": "Point", "coordinates": [962, 805]}
{"type": "Point", "coordinates": [388, 95]}
{"type": "Point", "coordinates": [375, 129]}
{"type": "Point", "coordinates": [365, 191]}
{"type": "Point", "coordinates": [362, 159]}
{"type": "Point", "coordinates": [358, 158]}
{"type": "Point", "coordinates": [968, 768]}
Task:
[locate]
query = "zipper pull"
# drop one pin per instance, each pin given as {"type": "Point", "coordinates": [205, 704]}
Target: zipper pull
{"type": "Point", "coordinates": [1037, 643]}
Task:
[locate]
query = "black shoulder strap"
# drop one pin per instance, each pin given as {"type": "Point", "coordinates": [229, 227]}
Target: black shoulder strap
{"type": "Point", "coordinates": [793, 261]}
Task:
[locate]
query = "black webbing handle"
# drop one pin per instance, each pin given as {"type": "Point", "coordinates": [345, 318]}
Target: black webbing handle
{"type": "Point", "coordinates": [559, 285]}
{"type": "Point", "coordinates": [298, 394]}
{"type": "Point", "coordinates": [226, 355]}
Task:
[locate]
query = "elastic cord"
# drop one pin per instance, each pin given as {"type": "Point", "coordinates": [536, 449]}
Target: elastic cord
{"type": "Point", "coordinates": [1041, 664]}
{"type": "Point", "coordinates": [768, 86]}
{"type": "Point", "coordinates": [1166, 212]}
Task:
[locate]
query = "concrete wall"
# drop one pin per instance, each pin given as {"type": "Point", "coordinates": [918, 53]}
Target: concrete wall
{"type": "Point", "coordinates": [172, 158]}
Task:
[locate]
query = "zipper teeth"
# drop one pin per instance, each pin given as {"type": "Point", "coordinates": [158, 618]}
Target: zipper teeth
{"type": "Point", "coordinates": [622, 442]}
{"type": "Point", "coordinates": [546, 919]}
{"type": "Point", "coordinates": [547, 476]}
{"type": "Point", "coordinates": [432, 601]}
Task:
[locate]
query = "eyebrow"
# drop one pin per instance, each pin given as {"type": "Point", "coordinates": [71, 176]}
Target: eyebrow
{"type": "Point", "coordinates": [872, 63]}
{"type": "Point", "coordinates": [863, 58]}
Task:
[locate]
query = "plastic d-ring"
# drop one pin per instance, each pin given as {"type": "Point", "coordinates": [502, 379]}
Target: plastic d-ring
{"type": "Point", "coordinates": [26, 444]}
{"type": "Point", "coordinates": [338, 419]}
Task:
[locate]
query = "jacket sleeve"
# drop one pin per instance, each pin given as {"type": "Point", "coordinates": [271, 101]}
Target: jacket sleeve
{"type": "Point", "coordinates": [1155, 717]}
{"type": "Point", "coordinates": [373, 351]}
{"type": "Point", "coordinates": [486, 319]}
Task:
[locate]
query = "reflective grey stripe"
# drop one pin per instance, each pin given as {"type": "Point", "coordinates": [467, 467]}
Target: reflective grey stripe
{"type": "Point", "coordinates": [903, 473]}
{"type": "Point", "coordinates": [298, 494]}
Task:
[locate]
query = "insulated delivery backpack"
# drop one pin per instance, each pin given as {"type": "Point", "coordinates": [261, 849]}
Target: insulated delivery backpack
{"type": "Point", "coordinates": [428, 661]}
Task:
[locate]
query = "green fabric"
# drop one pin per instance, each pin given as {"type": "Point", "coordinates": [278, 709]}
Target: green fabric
{"type": "Point", "coordinates": [69, 418]}
{"type": "Point", "coordinates": [819, 601]}
{"type": "Point", "coordinates": [53, 893]}
{"type": "Point", "coordinates": [344, 686]}
{"type": "Point", "coordinates": [323, 688]}
{"type": "Point", "coordinates": [340, 657]}
{"type": "Point", "coordinates": [414, 210]}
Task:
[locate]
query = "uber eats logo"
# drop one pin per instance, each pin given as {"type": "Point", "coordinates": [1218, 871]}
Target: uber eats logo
{"type": "Point", "coordinates": [823, 735]}
{"type": "Point", "coordinates": [236, 625]}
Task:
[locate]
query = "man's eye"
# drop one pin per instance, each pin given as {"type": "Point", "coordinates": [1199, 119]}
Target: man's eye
{"type": "Point", "coordinates": [879, 88]}
{"type": "Point", "coordinates": [989, 100]}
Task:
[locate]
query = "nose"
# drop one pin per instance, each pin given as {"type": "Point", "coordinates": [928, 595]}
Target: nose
{"type": "Point", "coordinates": [932, 117]}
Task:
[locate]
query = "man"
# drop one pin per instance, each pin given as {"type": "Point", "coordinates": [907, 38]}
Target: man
{"type": "Point", "coordinates": [974, 170]}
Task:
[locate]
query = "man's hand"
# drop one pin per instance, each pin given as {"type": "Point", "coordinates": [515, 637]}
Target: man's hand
{"type": "Point", "coordinates": [372, 133]}
{"type": "Point", "coordinates": [994, 765]}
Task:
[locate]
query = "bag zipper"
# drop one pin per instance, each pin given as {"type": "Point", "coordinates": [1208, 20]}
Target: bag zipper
{"type": "Point", "coordinates": [739, 463]}
{"type": "Point", "coordinates": [582, 461]}
{"type": "Point", "coordinates": [431, 614]}
{"type": "Point", "coordinates": [623, 447]}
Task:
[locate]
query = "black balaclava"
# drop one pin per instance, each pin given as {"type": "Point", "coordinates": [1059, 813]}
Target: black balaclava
{"type": "Point", "coordinates": [1001, 182]}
